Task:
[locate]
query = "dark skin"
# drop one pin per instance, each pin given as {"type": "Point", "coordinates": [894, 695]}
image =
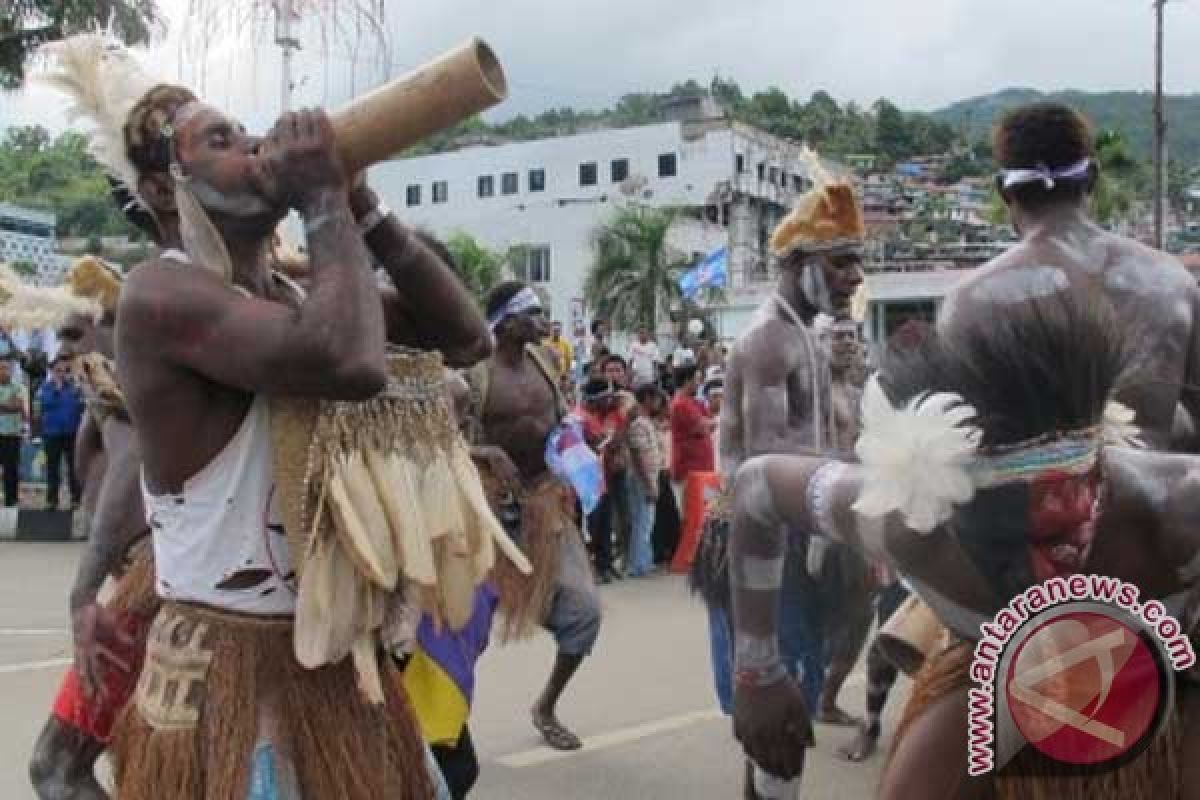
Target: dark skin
{"type": "Point", "coordinates": [520, 414]}
{"type": "Point", "coordinates": [1061, 246]}
{"type": "Point", "coordinates": [1147, 492]}
{"type": "Point", "coordinates": [64, 759]}
{"type": "Point", "coordinates": [194, 351]}
{"type": "Point", "coordinates": [768, 379]}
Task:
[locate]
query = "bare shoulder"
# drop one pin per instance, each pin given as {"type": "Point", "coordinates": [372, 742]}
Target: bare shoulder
{"type": "Point", "coordinates": [162, 292]}
{"type": "Point", "coordinates": [1133, 266]}
{"type": "Point", "coordinates": [767, 347]}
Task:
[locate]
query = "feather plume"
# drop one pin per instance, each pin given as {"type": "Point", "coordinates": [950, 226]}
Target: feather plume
{"type": "Point", "coordinates": [104, 83]}
{"type": "Point", "coordinates": [1120, 430]}
{"type": "Point", "coordinates": [25, 306]}
{"type": "Point", "coordinates": [915, 459]}
{"type": "Point", "coordinates": [93, 278]}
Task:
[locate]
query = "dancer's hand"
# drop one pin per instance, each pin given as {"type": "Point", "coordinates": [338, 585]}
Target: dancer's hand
{"type": "Point", "coordinates": [773, 724]}
{"type": "Point", "coordinates": [499, 464]}
{"type": "Point", "coordinates": [297, 160]}
{"type": "Point", "coordinates": [99, 641]}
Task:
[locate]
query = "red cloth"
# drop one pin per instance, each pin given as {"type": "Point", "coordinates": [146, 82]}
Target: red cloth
{"type": "Point", "coordinates": [598, 426]}
{"type": "Point", "coordinates": [96, 717]}
{"type": "Point", "coordinates": [691, 440]}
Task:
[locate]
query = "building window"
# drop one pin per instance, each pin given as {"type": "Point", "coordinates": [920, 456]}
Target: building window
{"type": "Point", "coordinates": [441, 192]}
{"type": "Point", "coordinates": [539, 265]}
{"type": "Point", "coordinates": [533, 264]}
{"type": "Point", "coordinates": [667, 165]}
{"type": "Point", "coordinates": [537, 180]}
{"type": "Point", "coordinates": [762, 171]}
{"type": "Point", "coordinates": [587, 174]}
{"type": "Point", "coordinates": [772, 175]}
{"type": "Point", "coordinates": [412, 195]}
{"type": "Point", "coordinates": [798, 183]}
{"type": "Point", "coordinates": [620, 169]}
{"type": "Point", "coordinates": [487, 186]}
{"type": "Point", "coordinates": [783, 178]}
{"type": "Point", "coordinates": [739, 163]}
{"type": "Point", "coordinates": [508, 183]}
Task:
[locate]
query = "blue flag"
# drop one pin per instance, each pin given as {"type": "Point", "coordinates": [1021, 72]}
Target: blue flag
{"type": "Point", "coordinates": [712, 271]}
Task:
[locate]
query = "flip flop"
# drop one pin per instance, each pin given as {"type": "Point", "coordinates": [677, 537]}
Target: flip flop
{"type": "Point", "coordinates": [557, 736]}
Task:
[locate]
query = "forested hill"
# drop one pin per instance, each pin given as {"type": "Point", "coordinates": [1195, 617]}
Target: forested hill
{"type": "Point", "coordinates": [1127, 112]}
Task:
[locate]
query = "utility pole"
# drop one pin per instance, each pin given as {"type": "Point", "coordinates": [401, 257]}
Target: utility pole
{"type": "Point", "coordinates": [1160, 130]}
{"type": "Point", "coordinates": [289, 44]}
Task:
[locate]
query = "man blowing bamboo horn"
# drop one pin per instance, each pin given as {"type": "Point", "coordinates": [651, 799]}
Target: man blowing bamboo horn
{"type": "Point", "coordinates": [206, 336]}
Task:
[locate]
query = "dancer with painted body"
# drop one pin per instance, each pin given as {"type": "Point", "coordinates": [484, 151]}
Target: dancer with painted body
{"type": "Point", "coordinates": [993, 459]}
{"type": "Point", "coordinates": [206, 335]}
{"type": "Point", "coordinates": [516, 405]}
{"type": "Point", "coordinates": [844, 578]}
{"type": "Point", "coordinates": [778, 400]}
{"type": "Point", "coordinates": [108, 637]}
{"type": "Point", "coordinates": [1049, 170]}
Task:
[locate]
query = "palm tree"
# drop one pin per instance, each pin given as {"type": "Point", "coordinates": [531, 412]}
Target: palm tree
{"type": "Point", "coordinates": [634, 271]}
{"type": "Point", "coordinates": [28, 24]}
{"type": "Point", "coordinates": [478, 266]}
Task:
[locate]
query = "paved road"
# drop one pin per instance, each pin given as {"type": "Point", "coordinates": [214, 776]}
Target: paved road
{"type": "Point", "coordinates": [644, 703]}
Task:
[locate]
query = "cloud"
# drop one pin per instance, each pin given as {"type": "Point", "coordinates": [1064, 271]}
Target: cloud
{"type": "Point", "coordinates": [922, 54]}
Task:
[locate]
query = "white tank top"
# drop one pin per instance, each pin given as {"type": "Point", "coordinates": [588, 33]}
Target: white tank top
{"type": "Point", "coordinates": [221, 541]}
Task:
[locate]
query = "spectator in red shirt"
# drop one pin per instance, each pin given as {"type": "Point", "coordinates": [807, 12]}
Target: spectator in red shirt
{"type": "Point", "coordinates": [691, 431]}
{"type": "Point", "coordinates": [604, 429]}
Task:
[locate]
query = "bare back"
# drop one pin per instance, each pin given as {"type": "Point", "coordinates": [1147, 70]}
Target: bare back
{"type": "Point", "coordinates": [769, 390]}
{"type": "Point", "coordinates": [520, 411]}
{"type": "Point", "coordinates": [1152, 293]}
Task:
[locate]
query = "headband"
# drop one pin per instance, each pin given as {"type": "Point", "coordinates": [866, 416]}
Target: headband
{"type": "Point", "coordinates": [1045, 175]}
{"type": "Point", "coordinates": [525, 300]}
{"type": "Point", "coordinates": [924, 459]}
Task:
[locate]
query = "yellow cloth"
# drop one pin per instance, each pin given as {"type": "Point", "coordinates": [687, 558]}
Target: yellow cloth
{"type": "Point", "coordinates": [565, 351]}
{"type": "Point", "coordinates": [437, 702]}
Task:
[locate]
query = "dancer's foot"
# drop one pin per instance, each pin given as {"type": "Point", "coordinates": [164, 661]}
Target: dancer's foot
{"type": "Point", "coordinates": [833, 715]}
{"type": "Point", "coordinates": [554, 732]}
{"type": "Point", "coordinates": [862, 746]}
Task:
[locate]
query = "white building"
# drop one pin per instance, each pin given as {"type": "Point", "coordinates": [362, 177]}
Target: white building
{"type": "Point", "coordinates": [28, 237]}
{"type": "Point", "coordinates": [550, 195]}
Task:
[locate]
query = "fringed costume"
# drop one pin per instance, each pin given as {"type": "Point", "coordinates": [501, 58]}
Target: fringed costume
{"type": "Point", "coordinates": [1154, 773]}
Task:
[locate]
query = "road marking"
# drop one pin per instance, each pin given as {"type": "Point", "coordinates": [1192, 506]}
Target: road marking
{"type": "Point", "coordinates": [34, 632]}
{"type": "Point", "coordinates": [29, 666]}
{"type": "Point", "coordinates": [544, 755]}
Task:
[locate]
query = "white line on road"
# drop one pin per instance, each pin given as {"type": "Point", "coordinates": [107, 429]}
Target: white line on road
{"type": "Point", "coordinates": [603, 741]}
{"type": "Point", "coordinates": [29, 666]}
{"type": "Point", "coordinates": [34, 632]}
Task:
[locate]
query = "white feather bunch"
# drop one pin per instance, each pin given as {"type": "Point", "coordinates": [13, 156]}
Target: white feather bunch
{"type": "Point", "coordinates": [1120, 430]}
{"type": "Point", "coordinates": [104, 83]}
{"type": "Point", "coordinates": [915, 459]}
{"type": "Point", "coordinates": [28, 307]}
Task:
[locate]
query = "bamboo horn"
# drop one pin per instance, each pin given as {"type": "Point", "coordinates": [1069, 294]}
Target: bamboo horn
{"type": "Point", "coordinates": [431, 98]}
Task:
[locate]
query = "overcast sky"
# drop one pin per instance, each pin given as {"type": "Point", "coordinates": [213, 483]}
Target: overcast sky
{"type": "Point", "coordinates": [922, 54]}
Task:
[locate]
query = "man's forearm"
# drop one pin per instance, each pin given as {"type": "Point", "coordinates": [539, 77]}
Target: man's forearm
{"type": "Point", "coordinates": [449, 318]}
{"type": "Point", "coordinates": [343, 303]}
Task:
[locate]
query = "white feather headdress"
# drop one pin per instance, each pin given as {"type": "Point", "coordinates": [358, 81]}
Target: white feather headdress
{"type": "Point", "coordinates": [924, 459]}
{"type": "Point", "coordinates": [104, 83]}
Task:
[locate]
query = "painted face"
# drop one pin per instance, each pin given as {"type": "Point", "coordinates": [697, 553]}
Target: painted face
{"type": "Point", "coordinates": [218, 155]}
{"type": "Point", "coordinates": [830, 281]}
{"type": "Point", "coordinates": [1062, 522]}
{"type": "Point", "coordinates": [79, 335]}
{"type": "Point", "coordinates": [528, 327]}
{"type": "Point", "coordinates": [844, 349]}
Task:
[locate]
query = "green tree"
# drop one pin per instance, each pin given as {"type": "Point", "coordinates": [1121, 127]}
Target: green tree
{"type": "Point", "coordinates": [1121, 178]}
{"type": "Point", "coordinates": [25, 25]}
{"type": "Point", "coordinates": [634, 271]}
{"type": "Point", "coordinates": [478, 266]}
{"type": "Point", "coordinates": [58, 176]}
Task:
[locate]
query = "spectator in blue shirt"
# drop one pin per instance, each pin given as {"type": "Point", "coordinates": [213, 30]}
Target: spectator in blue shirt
{"type": "Point", "coordinates": [60, 404]}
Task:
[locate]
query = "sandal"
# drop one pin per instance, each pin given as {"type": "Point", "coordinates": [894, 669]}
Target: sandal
{"type": "Point", "coordinates": [556, 735]}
